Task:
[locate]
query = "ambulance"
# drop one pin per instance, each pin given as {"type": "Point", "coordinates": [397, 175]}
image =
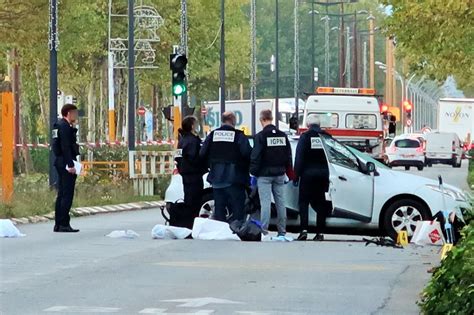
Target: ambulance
{"type": "Point", "coordinates": [351, 115]}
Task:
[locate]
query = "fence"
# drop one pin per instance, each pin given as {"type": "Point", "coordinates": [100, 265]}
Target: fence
{"type": "Point", "coordinates": [146, 166]}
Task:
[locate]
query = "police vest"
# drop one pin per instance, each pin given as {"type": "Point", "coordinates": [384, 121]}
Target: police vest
{"type": "Point", "coordinates": [224, 146]}
{"type": "Point", "coordinates": [275, 151]}
{"type": "Point", "coordinates": [314, 150]}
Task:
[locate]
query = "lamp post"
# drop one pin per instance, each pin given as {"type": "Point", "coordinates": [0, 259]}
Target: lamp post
{"type": "Point", "coordinates": [313, 63]}
{"type": "Point", "coordinates": [277, 66]}
{"type": "Point", "coordinates": [53, 43]}
{"type": "Point", "coordinates": [222, 59]}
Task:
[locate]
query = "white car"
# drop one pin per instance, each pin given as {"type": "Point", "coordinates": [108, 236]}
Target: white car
{"type": "Point", "coordinates": [365, 194]}
{"type": "Point", "coordinates": [406, 151]}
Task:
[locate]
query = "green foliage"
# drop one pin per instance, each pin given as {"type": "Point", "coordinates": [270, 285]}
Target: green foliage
{"type": "Point", "coordinates": [470, 175]}
{"type": "Point", "coordinates": [451, 290]}
{"type": "Point", "coordinates": [435, 36]}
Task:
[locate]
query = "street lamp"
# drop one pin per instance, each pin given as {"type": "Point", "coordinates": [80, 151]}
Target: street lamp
{"type": "Point", "coordinates": [313, 62]}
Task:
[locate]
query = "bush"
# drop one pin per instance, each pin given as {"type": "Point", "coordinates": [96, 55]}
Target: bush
{"type": "Point", "coordinates": [451, 290]}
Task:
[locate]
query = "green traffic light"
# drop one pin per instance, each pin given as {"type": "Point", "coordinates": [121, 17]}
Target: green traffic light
{"type": "Point", "coordinates": [179, 89]}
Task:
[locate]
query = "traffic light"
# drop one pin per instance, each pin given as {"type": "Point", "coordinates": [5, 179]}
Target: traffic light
{"type": "Point", "coordinates": [178, 64]}
{"type": "Point", "coordinates": [407, 107]}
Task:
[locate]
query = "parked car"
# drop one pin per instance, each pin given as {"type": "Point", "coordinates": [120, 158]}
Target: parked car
{"type": "Point", "coordinates": [406, 151]}
{"type": "Point", "coordinates": [443, 148]}
{"type": "Point", "coordinates": [365, 194]}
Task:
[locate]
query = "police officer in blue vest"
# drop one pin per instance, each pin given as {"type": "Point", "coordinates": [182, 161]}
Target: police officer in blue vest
{"type": "Point", "coordinates": [65, 149]}
{"type": "Point", "coordinates": [312, 175]}
{"type": "Point", "coordinates": [227, 152]}
{"type": "Point", "coordinates": [270, 160]}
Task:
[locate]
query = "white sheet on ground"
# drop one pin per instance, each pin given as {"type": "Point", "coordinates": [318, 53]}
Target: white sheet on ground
{"type": "Point", "coordinates": [123, 234]}
{"type": "Point", "coordinates": [207, 229]}
{"type": "Point", "coordinates": [161, 231]}
{"type": "Point", "coordinates": [8, 229]}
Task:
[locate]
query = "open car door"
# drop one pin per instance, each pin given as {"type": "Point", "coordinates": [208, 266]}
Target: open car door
{"type": "Point", "coordinates": [350, 189]}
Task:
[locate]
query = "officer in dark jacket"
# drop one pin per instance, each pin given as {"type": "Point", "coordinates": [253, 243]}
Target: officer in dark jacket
{"type": "Point", "coordinates": [227, 152]}
{"type": "Point", "coordinates": [270, 160]}
{"type": "Point", "coordinates": [312, 173]}
{"type": "Point", "coordinates": [189, 165]}
{"type": "Point", "coordinates": [66, 150]}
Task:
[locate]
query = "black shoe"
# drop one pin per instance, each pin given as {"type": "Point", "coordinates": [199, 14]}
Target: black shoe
{"type": "Point", "coordinates": [56, 228]}
{"type": "Point", "coordinates": [66, 229]}
{"type": "Point", "coordinates": [303, 236]}
{"type": "Point", "coordinates": [319, 237]}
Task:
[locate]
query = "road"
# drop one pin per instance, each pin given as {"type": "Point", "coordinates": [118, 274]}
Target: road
{"type": "Point", "coordinates": [454, 176]}
{"type": "Point", "coordinates": [88, 273]}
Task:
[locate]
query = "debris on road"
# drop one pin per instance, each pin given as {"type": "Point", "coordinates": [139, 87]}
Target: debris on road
{"type": "Point", "coordinates": [8, 229]}
{"type": "Point", "coordinates": [382, 241]}
{"type": "Point", "coordinates": [161, 231]}
{"type": "Point", "coordinates": [123, 234]}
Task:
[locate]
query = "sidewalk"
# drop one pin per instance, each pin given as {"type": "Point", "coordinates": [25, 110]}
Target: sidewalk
{"type": "Point", "coordinates": [85, 211]}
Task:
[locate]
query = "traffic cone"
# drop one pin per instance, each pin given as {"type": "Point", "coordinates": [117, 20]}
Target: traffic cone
{"type": "Point", "coordinates": [402, 238]}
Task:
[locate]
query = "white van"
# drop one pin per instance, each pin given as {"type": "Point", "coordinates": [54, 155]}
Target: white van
{"type": "Point", "coordinates": [443, 148]}
{"type": "Point", "coordinates": [350, 115]}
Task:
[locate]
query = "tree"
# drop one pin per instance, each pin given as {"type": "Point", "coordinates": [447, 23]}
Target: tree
{"type": "Point", "coordinates": [435, 37]}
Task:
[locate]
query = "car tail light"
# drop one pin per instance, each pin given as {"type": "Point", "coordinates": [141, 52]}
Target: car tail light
{"type": "Point", "coordinates": [419, 149]}
{"type": "Point", "coordinates": [392, 149]}
{"type": "Point", "coordinates": [454, 146]}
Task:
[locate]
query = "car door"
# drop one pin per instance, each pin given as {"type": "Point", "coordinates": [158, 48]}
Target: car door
{"type": "Point", "coordinates": [350, 190]}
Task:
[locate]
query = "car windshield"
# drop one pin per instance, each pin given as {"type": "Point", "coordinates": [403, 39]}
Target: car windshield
{"type": "Point", "coordinates": [407, 143]}
{"type": "Point", "coordinates": [328, 120]}
{"type": "Point", "coordinates": [361, 121]}
{"type": "Point", "coordinates": [365, 157]}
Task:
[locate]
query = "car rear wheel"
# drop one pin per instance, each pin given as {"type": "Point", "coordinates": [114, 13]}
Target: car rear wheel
{"type": "Point", "coordinates": [402, 215]}
{"type": "Point", "coordinates": [420, 168]}
{"type": "Point", "coordinates": [456, 164]}
{"type": "Point", "coordinates": [407, 168]}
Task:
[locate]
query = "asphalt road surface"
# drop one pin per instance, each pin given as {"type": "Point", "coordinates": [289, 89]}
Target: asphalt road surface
{"type": "Point", "coordinates": [88, 273]}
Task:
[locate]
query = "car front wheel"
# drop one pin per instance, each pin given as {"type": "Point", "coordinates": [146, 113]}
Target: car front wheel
{"type": "Point", "coordinates": [402, 215]}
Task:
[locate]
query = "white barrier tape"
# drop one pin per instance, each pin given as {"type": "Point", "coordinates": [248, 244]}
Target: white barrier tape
{"type": "Point", "coordinates": [97, 144]}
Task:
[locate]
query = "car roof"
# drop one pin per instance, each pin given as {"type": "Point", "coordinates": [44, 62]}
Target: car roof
{"type": "Point", "coordinates": [352, 104]}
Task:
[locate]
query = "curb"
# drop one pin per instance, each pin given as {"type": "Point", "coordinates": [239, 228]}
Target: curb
{"type": "Point", "coordinates": [86, 211]}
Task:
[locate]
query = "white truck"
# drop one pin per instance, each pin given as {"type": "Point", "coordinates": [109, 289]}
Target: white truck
{"type": "Point", "coordinates": [457, 115]}
{"type": "Point", "coordinates": [243, 112]}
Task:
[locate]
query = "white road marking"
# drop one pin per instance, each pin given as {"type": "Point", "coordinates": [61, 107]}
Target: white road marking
{"type": "Point", "coordinates": [82, 309]}
{"type": "Point", "coordinates": [162, 311]}
{"type": "Point", "coordinates": [199, 302]}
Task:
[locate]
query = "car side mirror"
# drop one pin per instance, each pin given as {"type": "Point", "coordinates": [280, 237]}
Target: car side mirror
{"type": "Point", "coordinates": [370, 167]}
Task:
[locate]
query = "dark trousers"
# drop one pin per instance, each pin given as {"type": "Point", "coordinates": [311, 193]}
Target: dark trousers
{"type": "Point", "coordinates": [231, 198]}
{"type": "Point", "coordinates": [193, 186]}
{"type": "Point", "coordinates": [66, 184]}
{"type": "Point", "coordinates": [312, 191]}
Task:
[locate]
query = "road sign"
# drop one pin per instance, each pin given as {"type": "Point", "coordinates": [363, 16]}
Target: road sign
{"type": "Point", "coordinates": [408, 122]}
{"type": "Point", "coordinates": [141, 111]}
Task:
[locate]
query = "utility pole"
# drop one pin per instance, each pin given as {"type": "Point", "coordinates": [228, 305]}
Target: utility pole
{"type": "Point", "coordinates": [297, 60]}
{"type": "Point", "coordinates": [277, 65]}
{"type": "Point", "coordinates": [371, 51]}
{"type": "Point", "coordinates": [326, 49]}
{"type": "Point", "coordinates": [53, 43]}
{"type": "Point", "coordinates": [253, 62]}
{"type": "Point", "coordinates": [184, 50]}
{"type": "Point", "coordinates": [313, 63]}
{"type": "Point", "coordinates": [222, 58]}
{"type": "Point", "coordinates": [364, 65]}
{"type": "Point", "coordinates": [131, 77]}
{"type": "Point", "coordinates": [341, 47]}
{"type": "Point", "coordinates": [347, 70]}
{"type": "Point", "coordinates": [355, 74]}
{"type": "Point", "coordinates": [16, 98]}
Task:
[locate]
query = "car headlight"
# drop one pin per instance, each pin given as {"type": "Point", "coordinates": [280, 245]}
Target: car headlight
{"type": "Point", "coordinates": [456, 195]}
